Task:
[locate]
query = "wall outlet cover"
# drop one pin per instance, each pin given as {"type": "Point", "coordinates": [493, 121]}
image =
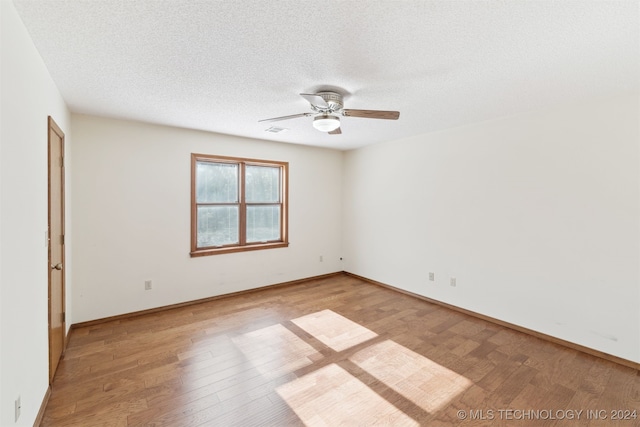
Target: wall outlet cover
{"type": "Point", "coordinates": [18, 407]}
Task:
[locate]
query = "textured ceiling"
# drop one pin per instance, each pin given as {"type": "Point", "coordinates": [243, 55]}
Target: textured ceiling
{"type": "Point", "coordinates": [223, 65]}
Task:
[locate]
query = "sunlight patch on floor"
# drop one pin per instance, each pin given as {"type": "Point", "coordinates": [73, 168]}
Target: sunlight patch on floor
{"type": "Point", "coordinates": [422, 381]}
{"type": "Point", "coordinates": [330, 396]}
{"type": "Point", "coordinates": [275, 350]}
{"type": "Point", "coordinates": [334, 330]}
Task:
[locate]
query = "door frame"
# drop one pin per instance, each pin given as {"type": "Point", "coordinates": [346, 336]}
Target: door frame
{"type": "Point", "coordinates": [53, 127]}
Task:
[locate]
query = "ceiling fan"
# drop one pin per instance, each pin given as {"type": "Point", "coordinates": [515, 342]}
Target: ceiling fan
{"type": "Point", "coordinates": [327, 108]}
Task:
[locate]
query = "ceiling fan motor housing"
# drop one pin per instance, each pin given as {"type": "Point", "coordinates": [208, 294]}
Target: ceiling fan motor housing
{"type": "Point", "coordinates": [333, 100]}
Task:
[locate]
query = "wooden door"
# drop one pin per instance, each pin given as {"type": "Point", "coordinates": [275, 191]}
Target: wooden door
{"type": "Point", "coordinates": [57, 329]}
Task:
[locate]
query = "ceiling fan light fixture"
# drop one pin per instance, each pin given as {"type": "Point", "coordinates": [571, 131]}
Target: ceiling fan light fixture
{"type": "Point", "coordinates": [326, 122]}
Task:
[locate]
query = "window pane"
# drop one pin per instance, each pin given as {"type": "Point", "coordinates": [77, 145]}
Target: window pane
{"type": "Point", "coordinates": [262, 184]}
{"type": "Point", "coordinates": [216, 182]}
{"type": "Point", "coordinates": [217, 225]}
{"type": "Point", "coordinates": [263, 223]}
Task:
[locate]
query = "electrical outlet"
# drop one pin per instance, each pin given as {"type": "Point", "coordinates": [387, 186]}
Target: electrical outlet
{"type": "Point", "coordinates": [432, 277]}
{"type": "Point", "coordinates": [147, 285]}
{"type": "Point", "coordinates": [321, 258]}
{"type": "Point", "coordinates": [453, 282]}
{"type": "Point", "coordinates": [18, 407]}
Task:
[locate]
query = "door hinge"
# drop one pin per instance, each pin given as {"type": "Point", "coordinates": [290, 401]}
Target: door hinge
{"type": "Point", "coordinates": [62, 239]}
{"type": "Point", "coordinates": [63, 315]}
{"type": "Point", "coordinates": [61, 161]}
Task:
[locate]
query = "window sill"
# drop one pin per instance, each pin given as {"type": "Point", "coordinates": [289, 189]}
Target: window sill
{"type": "Point", "coordinates": [232, 249]}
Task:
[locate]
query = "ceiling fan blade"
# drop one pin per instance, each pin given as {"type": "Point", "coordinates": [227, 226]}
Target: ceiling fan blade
{"type": "Point", "coordinates": [336, 131]}
{"type": "Point", "coordinates": [293, 116]}
{"type": "Point", "coordinates": [372, 114]}
{"type": "Point", "coordinates": [315, 99]}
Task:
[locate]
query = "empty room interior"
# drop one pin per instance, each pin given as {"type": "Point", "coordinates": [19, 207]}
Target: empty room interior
{"type": "Point", "coordinates": [297, 213]}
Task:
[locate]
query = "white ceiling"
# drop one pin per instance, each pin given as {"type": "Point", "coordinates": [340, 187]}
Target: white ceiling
{"type": "Point", "coordinates": [223, 65]}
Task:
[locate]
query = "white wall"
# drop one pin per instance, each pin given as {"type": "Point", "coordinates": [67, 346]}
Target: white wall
{"type": "Point", "coordinates": [28, 97]}
{"type": "Point", "coordinates": [132, 217]}
{"type": "Point", "coordinates": [536, 216]}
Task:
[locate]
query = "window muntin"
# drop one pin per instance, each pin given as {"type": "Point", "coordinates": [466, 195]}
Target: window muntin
{"type": "Point", "coordinates": [237, 204]}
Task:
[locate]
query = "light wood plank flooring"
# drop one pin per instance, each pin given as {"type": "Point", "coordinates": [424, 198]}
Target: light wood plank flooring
{"type": "Point", "coordinates": [332, 351]}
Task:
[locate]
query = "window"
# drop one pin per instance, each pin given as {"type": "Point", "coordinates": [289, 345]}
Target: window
{"type": "Point", "coordinates": [237, 204]}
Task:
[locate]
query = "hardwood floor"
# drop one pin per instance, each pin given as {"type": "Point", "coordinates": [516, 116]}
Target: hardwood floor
{"type": "Point", "coordinates": [332, 351]}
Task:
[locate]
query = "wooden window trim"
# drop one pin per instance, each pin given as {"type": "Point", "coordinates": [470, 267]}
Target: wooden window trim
{"type": "Point", "coordinates": [243, 245]}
